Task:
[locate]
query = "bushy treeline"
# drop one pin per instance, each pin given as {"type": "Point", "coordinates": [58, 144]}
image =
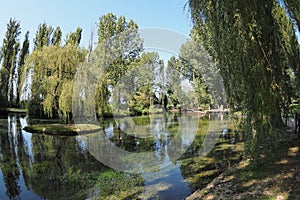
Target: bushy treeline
{"type": "Point", "coordinates": [129, 79]}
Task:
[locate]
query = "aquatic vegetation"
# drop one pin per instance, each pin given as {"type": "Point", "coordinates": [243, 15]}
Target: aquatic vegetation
{"type": "Point", "coordinates": [115, 184]}
{"type": "Point", "coordinates": [199, 171]}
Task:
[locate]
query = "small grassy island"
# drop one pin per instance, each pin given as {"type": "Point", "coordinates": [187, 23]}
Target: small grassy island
{"type": "Point", "coordinates": [62, 129]}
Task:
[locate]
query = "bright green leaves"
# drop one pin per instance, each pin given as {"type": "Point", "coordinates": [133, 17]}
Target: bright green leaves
{"type": "Point", "coordinates": [56, 38]}
{"type": "Point", "coordinates": [119, 46]}
{"type": "Point", "coordinates": [74, 38]}
{"type": "Point", "coordinates": [42, 36]}
{"type": "Point", "coordinates": [54, 69]}
{"type": "Point", "coordinates": [106, 27]}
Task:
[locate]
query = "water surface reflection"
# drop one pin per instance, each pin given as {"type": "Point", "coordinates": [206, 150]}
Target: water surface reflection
{"type": "Point", "coordinates": [35, 166]}
{"type": "Point", "coordinates": [40, 166]}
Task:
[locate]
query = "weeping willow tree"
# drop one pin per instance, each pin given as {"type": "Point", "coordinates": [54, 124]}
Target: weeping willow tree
{"type": "Point", "coordinates": [53, 69]}
{"type": "Point", "coordinates": [257, 52]}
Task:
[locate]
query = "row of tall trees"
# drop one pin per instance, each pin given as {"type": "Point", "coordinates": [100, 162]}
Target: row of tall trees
{"type": "Point", "coordinates": [117, 77]}
{"type": "Point", "coordinates": [13, 56]}
{"type": "Point", "coordinates": [126, 76]}
{"type": "Point", "coordinates": [136, 81]}
{"type": "Point", "coordinates": [51, 69]}
{"type": "Point", "coordinates": [256, 48]}
{"type": "Point", "coordinates": [11, 59]}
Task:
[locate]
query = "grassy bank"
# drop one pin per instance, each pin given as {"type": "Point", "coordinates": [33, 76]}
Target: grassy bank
{"type": "Point", "coordinates": [272, 178]}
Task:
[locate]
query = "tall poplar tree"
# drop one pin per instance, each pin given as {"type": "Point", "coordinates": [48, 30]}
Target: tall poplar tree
{"type": "Point", "coordinates": [56, 38]}
{"type": "Point", "coordinates": [9, 53]}
{"type": "Point", "coordinates": [22, 56]}
{"type": "Point", "coordinates": [74, 38]}
{"type": "Point", "coordinates": [42, 39]}
{"type": "Point", "coordinates": [43, 36]}
{"type": "Point", "coordinates": [12, 74]}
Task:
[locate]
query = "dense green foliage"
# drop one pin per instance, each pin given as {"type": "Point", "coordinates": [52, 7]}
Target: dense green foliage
{"type": "Point", "coordinates": [8, 56]}
{"type": "Point", "coordinates": [144, 83]}
{"type": "Point", "coordinates": [257, 52]}
{"type": "Point", "coordinates": [119, 45]}
{"type": "Point", "coordinates": [56, 38]}
{"type": "Point", "coordinates": [73, 38]}
{"type": "Point", "coordinates": [196, 66]}
{"type": "Point", "coordinates": [127, 79]}
{"type": "Point", "coordinates": [53, 71]}
{"type": "Point", "coordinates": [293, 8]}
{"type": "Point", "coordinates": [253, 47]}
{"type": "Point", "coordinates": [43, 36]}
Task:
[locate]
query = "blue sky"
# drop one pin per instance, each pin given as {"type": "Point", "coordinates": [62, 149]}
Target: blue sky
{"type": "Point", "coordinates": [69, 14]}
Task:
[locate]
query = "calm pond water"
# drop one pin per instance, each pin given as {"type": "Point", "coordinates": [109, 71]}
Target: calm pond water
{"type": "Point", "coordinates": [35, 166]}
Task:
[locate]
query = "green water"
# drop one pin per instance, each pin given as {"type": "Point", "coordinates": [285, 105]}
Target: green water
{"type": "Point", "coordinates": [160, 159]}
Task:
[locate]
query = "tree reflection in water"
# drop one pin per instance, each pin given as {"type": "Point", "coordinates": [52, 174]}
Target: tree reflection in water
{"type": "Point", "coordinates": [37, 166]}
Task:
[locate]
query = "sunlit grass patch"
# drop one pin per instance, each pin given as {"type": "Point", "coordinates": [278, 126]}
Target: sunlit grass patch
{"type": "Point", "coordinates": [283, 162]}
{"type": "Point", "coordinates": [249, 183]}
{"type": "Point", "coordinates": [206, 173]}
{"type": "Point", "coordinates": [224, 146]}
{"type": "Point", "coordinates": [228, 178]}
{"type": "Point", "coordinates": [239, 147]}
{"type": "Point", "coordinates": [196, 164]}
{"type": "Point", "coordinates": [202, 177]}
{"type": "Point", "coordinates": [243, 164]}
{"type": "Point", "coordinates": [293, 151]}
